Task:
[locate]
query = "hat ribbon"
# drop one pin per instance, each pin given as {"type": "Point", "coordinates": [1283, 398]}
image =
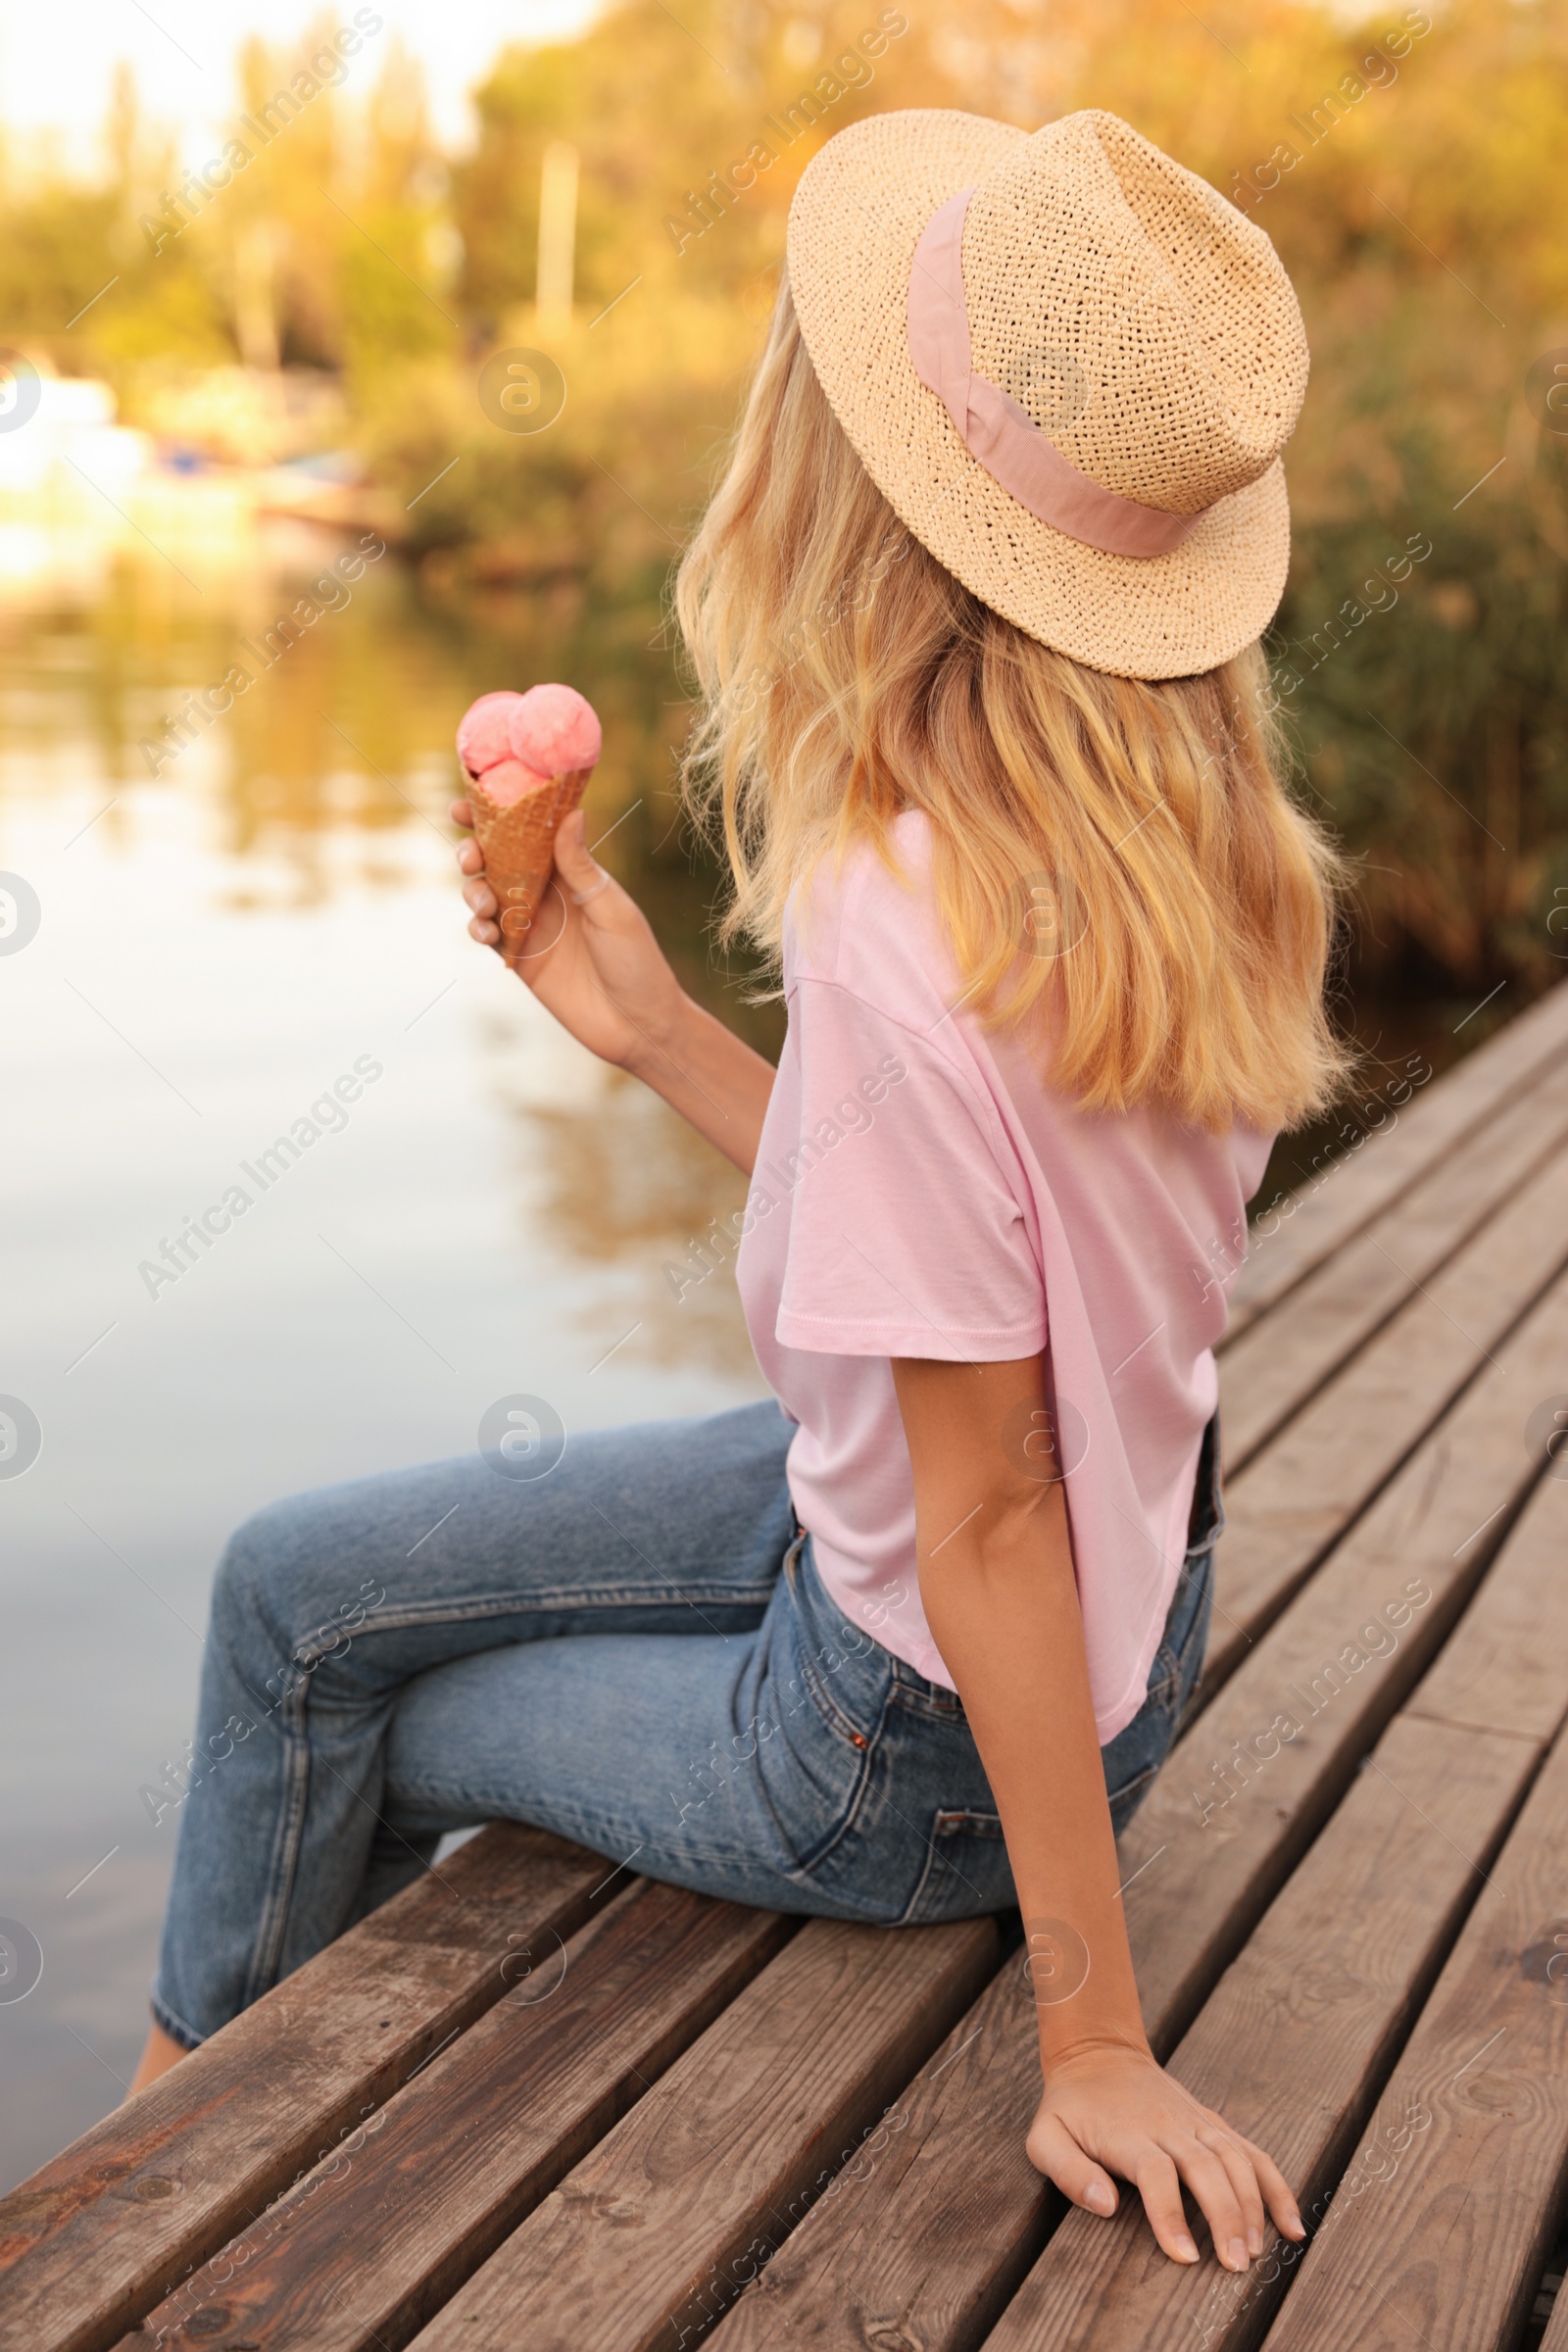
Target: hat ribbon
{"type": "Point", "coordinates": [994, 428]}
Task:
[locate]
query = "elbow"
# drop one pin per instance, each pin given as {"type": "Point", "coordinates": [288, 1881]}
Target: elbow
{"type": "Point", "coordinates": [1019, 1531]}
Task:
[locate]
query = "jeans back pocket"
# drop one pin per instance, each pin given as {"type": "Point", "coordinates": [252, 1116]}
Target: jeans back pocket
{"type": "Point", "coordinates": [967, 1869]}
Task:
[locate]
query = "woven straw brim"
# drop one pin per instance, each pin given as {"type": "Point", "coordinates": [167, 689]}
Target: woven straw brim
{"type": "Point", "coordinates": [857, 218]}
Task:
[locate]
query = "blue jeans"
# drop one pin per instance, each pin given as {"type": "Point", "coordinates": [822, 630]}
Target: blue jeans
{"type": "Point", "coordinates": [634, 1650]}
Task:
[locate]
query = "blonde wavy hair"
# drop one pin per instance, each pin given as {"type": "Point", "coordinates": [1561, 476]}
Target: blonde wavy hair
{"type": "Point", "coordinates": [1115, 859]}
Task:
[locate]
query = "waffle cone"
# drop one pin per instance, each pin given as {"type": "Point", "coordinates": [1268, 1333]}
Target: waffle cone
{"type": "Point", "coordinates": [519, 852]}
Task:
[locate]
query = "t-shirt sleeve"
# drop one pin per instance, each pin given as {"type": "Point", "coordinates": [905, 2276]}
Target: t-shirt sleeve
{"type": "Point", "coordinates": [907, 1234]}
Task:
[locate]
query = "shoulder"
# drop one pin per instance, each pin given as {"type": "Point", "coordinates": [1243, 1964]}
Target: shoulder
{"type": "Point", "coordinates": [869, 924]}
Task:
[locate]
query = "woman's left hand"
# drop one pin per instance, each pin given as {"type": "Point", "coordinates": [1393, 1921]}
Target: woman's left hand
{"type": "Point", "coordinates": [1110, 2108]}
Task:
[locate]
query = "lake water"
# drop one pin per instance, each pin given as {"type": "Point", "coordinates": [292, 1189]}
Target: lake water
{"type": "Point", "coordinates": [216, 947]}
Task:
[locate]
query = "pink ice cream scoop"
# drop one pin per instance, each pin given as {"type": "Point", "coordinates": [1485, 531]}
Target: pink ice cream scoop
{"type": "Point", "coordinates": [529, 758]}
{"type": "Point", "coordinates": [514, 741]}
{"type": "Point", "coordinates": [482, 733]}
{"type": "Point", "coordinates": [553, 731]}
{"type": "Point", "coordinates": [509, 782]}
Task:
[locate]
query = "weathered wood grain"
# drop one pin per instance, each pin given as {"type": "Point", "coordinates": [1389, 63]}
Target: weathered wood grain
{"type": "Point", "coordinates": [1505, 1667]}
{"type": "Point", "coordinates": [1196, 1884]}
{"type": "Point", "coordinates": [1227, 1818]}
{"type": "Point", "coordinates": [1274, 1367]}
{"type": "Point", "coordinates": [1333, 1205]}
{"type": "Point", "coordinates": [648, 2238]}
{"type": "Point", "coordinates": [88, 2243]}
{"type": "Point", "coordinates": [1299, 1495]}
{"type": "Point", "coordinates": [1555, 2337]}
{"type": "Point", "coordinates": [1446, 2251]}
{"type": "Point", "coordinates": [1295, 2043]}
{"type": "Point", "coordinates": [1291, 2047]}
{"type": "Point", "coordinates": [366, 2249]}
{"type": "Point", "coordinates": [926, 2246]}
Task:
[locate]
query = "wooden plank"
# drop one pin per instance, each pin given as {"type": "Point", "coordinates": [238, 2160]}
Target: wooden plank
{"type": "Point", "coordinates": [1291, 2047]}
{"type": "Point", "coordinates": [1193, 1892]}
{"type": "Point", "coordinates": [1325, 1989]}
{"type": "Point", "coordinates": [102, 2231]}
{"type": "Point", "coordinates": [1350, 1192]}
{"type": "Point", "coordinates": [1505, 1668]}
{"type": "Point", "coordinates": [924, 2245]}
{"type": "Point", "coordinates": [1228, 1828]}
{"type": "Point", "coordinates": [1555, 2337]}
{"type": "Point", "coordinates": [366, 2249]}
{"type": "Point", "coordinates": [1447, 2247]}
{"type": "Point", "coordinates": [655, 2231]}
{"type": "Point", "coordinates": [1299, 1495]}
{"type": "Point", "coordinates": [1277, 1365]}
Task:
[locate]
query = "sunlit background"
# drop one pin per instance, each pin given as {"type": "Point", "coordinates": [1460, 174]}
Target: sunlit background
{"type": "Point", "coordinates": [214, 387]}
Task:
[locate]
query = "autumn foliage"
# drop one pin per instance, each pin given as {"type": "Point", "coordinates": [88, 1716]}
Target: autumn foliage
{"type": "Point", "coordinates": [1409, 170]}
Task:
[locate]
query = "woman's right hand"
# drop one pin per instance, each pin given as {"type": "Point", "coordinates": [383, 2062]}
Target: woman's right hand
{"type": "Point", "coordinates": [1112, 2108]}
{"type": "Point", "coordinates": [596, 965]}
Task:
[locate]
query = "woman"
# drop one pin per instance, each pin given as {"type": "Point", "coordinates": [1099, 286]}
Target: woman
{"type": "Point", "coordinates": [975, 617]}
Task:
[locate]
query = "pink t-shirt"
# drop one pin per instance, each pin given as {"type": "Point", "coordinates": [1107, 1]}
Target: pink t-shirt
{"type": "Point", "coordinates": [921, 1191]}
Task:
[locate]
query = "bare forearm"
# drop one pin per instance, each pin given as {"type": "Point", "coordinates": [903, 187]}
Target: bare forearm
{"type": "Point", "coordinates": [997, 1584]}
{"type": "Point", "coordinates": [710, 1076]}
{"type": "Point", "coordinates": [1002, 1607]}
{"type": "Point", "coordinates": [998, 1587]}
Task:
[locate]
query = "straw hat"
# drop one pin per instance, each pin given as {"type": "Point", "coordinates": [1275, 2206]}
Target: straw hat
{"type": "Point", "coordinates": [1069, 365]}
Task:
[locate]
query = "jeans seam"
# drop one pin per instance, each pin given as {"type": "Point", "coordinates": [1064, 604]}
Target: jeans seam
{"type": "Point", "coordinates": [806, 1868]}
{"type": "Point", "coordinates": [910, 1916]}
{"type": "Point", "coordinates": [1169, 1682]}
{"type": "Point", "coordinates": [838, 1719]}
{"type": "Point", "coordinates": [427, 1613]}
{"type": "Point", "coordinates": [289, 1835]}
{"type": "Point", "coordinates": [931, 1702]}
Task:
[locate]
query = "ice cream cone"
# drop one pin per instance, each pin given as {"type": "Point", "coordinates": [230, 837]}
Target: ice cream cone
{"type": "Point", "coordinates": [519, 852]}
{"type": "Point", "coordinates": [527, 757]}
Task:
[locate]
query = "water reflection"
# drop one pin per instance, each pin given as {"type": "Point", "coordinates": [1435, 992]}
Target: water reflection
{"type": "Point", "coordinates": [218, 943]}
{"type": "Point", "coordinates": [628, 1183]}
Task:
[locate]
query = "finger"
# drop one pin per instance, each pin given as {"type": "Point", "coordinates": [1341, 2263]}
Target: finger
{"type": "Point", "coordinates": [1161, 2191]}
{"type": "Point", "coordinates": [1053, 2151]}
{"type": "Point", "coordinates": [1274, 2186]}
{"type": "Point", "coordinates": [470, 858]}
{"type": "Point", "coordinates": [576, 868]}
{"type": "Point", "coordinates": [479, 895]}
{"type": "Point", "coordinates": [461, 813]}
{"type": "Point", "coordinates": [1210, 2185]}
{"type": "Point", "coordinates": [486, 932]}
{"type": "Point", "coordinates": [1242, 2178]}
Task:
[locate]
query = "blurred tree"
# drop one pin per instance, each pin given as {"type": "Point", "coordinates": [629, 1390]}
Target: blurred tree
{"type": "Point", "coordinates": [391, 312]}
{"type": "Point", "coordinates": [1406, 163]}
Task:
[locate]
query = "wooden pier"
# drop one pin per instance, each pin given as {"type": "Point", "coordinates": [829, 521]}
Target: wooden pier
{"type": "Point", "coordinates": [524, 2107]}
